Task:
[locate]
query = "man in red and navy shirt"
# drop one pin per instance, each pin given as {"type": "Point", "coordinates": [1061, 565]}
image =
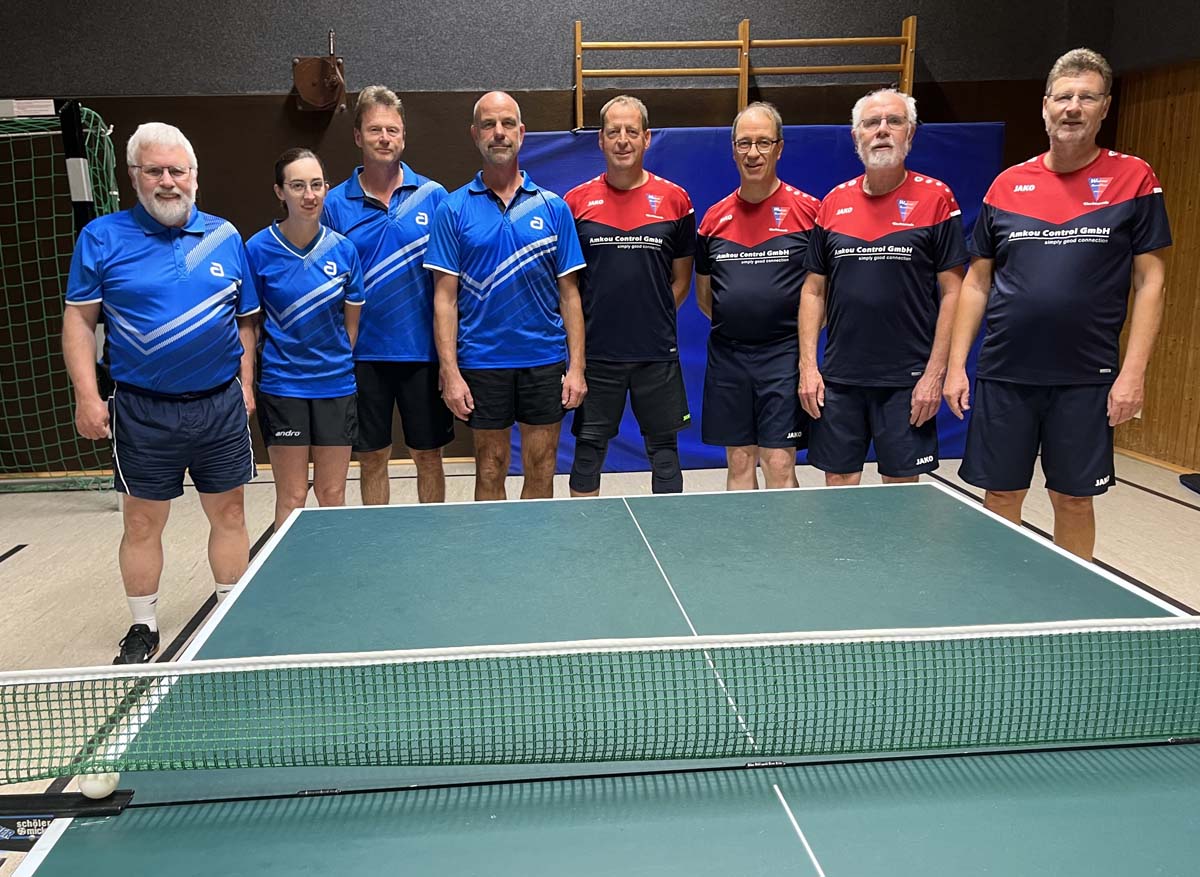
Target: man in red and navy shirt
{"type": "Point", "coordinates": [885, 266]}
{"type": "Point", "coordinates": [1061, 236]}
{"type": "Point", "coordinates": [749, 270]}
{"type": "Point", "coordinates": [638, 234]}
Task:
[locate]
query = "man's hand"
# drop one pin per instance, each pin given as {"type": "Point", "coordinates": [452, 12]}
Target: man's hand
{"type": "Point", "coordinates": [574, 388]}
{"type": "Point", "coordinates": [812, 391]}
{"type": "Point", "coordinates": [457, 395]}
{"type": "Point", "coordinates": [957, 392]}
{"type": "Point", "coordinates": [248, 400]}
{"type": "Point", "coordinates": [1125, 399]}
{"type": "Point", "coordinates": [926, 398]}
{"type": "Point", "coordinates": [91, 418]}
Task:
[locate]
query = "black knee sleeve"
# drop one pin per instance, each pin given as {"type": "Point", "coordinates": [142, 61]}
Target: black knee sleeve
{"type": "Point", "coordinates": [585, 469]}
{"type": "Point", "coordinates": [665, 474]}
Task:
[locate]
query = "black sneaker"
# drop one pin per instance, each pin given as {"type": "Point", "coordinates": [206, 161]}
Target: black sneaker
{"type": "Point", "coordinates": [139, 645]}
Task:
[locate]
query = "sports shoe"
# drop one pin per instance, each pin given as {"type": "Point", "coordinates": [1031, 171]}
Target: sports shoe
{"type": "Point", "coordinates": [139, 645]}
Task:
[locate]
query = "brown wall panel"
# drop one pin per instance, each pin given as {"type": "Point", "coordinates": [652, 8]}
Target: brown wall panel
{"type": "Point", "coordinates": [1159, 109]}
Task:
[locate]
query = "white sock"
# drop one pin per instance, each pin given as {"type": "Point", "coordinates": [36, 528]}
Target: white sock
{"type": "Point", "coordinates": [223, 591]}
{"type": "Point", "coordinates": [142, 609]}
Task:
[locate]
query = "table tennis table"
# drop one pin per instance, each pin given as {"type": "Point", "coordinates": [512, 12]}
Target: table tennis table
{"type": "Point", "coordinates": [401, 577]}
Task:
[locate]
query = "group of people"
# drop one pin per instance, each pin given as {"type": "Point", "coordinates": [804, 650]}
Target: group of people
{"type": "Point", "coordinates": [503, 303]}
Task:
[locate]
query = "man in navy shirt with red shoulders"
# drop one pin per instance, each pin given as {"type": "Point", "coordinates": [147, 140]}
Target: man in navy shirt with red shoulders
{"type": "Point", "coordinates": [885, 265]}
{"type": "Point", "coordinates": [1060, 236]}
{"type": "Point", "coordinates": [749, 269]}
{"type": "Point", "coordinates": [638, 233]}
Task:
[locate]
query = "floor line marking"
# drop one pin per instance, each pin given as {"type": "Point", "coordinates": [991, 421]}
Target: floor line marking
{"type": "Point", "coordinates": [799, 832]}
{"type": "Point", "coordinates": [707, 656]}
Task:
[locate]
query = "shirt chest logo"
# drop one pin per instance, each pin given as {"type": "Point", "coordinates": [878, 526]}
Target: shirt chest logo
{"type": "Point", "coordinates": [537, 224]}
{"type": "Point", "coordinates": [844, 211]}
{"type": "Point", "coordinates": [422, 218]}
{"type": "Point", "coordinates": [216, 269]}
{"type": "Point", "coordinates": [654, 201]}
{"type": "Point", "coordinates": [1098, 186]}
{"type": "Point", "coordinates": [905, 207]}
{"type": "Point", "coordinates": [330, 268]}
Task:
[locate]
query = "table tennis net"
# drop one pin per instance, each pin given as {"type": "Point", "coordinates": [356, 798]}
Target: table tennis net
{"type": "Point", "coordinates": [761, 698]}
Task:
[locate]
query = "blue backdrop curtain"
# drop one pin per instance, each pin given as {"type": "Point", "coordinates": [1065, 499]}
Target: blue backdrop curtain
{"type": "Point", "coordinates": [815, 159]}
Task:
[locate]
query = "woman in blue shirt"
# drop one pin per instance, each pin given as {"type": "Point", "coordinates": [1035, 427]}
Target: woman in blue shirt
{"type": "Point", "coordinates": [310, 283]}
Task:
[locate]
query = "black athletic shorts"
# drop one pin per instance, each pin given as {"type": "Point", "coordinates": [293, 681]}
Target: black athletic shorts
{"type": "Point", "coordinates": [412, 387]}
{"type": "Point", "coordinates": [288, 420]}
{"type": "Point", "coordinates": [853, 417]}
{"type": "Point", "coordinates": [750, 395]}
{"type": "Point", "coordinates": [504, 396]}
{"type": "Point", "coordinates": [655, 390]}
{"type": "Point", "coordinates": [156, 438]}
{"type": "Point", "coordinates": [1010, 422]}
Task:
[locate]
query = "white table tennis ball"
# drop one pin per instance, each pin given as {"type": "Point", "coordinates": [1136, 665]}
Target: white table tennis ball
{"type": "Point", "coordinates": [98, 785]}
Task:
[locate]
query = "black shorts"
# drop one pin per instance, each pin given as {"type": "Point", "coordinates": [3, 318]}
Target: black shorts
{"type": "Point", "coordinates": [288, 420]}
{"type": "Point", "coordinates": [156, 438]}
{"type": "Point", "coordinates": [504, 396]}
{"type": "Point", "coordinates": [750, 395]}
{"type": "Point", "coordinates": [854, 416]}
{"type": "Point", "coordinates": [412, 387]}
{"type": "Point", "coordinates": [1009, 422]}
{"type": "Point", "coordinates": [655, 390]}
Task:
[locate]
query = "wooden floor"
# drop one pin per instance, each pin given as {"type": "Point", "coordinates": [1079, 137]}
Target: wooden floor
{"type": "Point", "coordinates": [63, 603]}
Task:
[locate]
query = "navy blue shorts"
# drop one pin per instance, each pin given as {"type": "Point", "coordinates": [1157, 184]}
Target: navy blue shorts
{"type": "Point", "coordinates": [655, 390]}
{"type": "Point", "coordinates": [1010, 422]}
{"type": "Point", "coordinates": [853, 417]}
{"type": "Point", "coordinates": [156, 438]}
{"type": "Point", "coordinates": [750, 395]}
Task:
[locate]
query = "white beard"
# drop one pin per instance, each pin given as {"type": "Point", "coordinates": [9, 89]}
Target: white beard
{"type": "Point", "coordinates": [895, 158]}
{"type": "Point", "coordinates": [169, 213]}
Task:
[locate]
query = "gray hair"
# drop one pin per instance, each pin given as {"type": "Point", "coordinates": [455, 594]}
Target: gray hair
{"type": "Point", "coordinates": [625, 100]}
{"type": "Point", "coordinates": [1079, 61]}
{"type": "Point", "coordinates": [376, 96]}
{"type": "Point", "coordinates": [910, 105]}
{"type": "Point", "coordinates": [157, 134]}
{"type": "Point", "coordinates": [759, 106]}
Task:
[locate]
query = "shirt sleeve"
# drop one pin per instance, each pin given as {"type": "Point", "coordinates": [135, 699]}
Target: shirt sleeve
{"type": "Point", "coordinates": [1151, 228]}
{"type": "Point", "coordinates": [817, 258]}
{"type": "Point", "coordinates": [442, 253]}
{"type": "Point", "coordinates": [568, 256]}
{"type": "Point", "coordinates": [684, 244]}
{"type": "Point", "coordinates": [247, 300]}
{"type": "Point", "coordinates": [85, 283]}
{"type": "Point", "coordinates": [703, 261]}
{"type": "Point", "coordinates": [949, 244]}
{"type": "Point", "coordinates": [983, 244]}
{"type": "Point", "coordinates": [354, 283]}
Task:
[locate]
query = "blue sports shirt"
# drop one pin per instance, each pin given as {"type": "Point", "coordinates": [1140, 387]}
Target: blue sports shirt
{"type": "Point", "coordinates": [397, 319]}
{"type": "Point", "coordinates": [508, 261]}
{"type": "Point", "coordinates": [169, 297]}
{"type": "Point", "coordinates": [306, 351]}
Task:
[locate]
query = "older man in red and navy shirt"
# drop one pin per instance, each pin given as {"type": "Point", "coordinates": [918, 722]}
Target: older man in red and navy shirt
{"type": "Point", "coordinates": [1061, 236]}
{"type": "Point", "coordinates": [885, 266]}
{"type": "Point", "coordinates": [749, 270]}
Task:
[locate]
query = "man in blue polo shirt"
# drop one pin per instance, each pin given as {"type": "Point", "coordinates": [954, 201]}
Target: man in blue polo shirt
{"type": "Point", "coordinates": [508, 318]}
{"type": "Point", "coordinates": [386, 209]}
{"type": "Point", "coordinates": [178, 301]}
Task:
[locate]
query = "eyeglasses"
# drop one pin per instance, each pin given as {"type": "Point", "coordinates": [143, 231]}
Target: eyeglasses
{"type": "Point", "coordinates": [298, 187]}
{"type": "Point", "coordinates": [893, 122]}
{"type": "Point", "coordinates": [762, 144]}
{"type": "Point", "coordinates": [153, 172]}
{"type": "Point", "coordinates": [1085, 98]}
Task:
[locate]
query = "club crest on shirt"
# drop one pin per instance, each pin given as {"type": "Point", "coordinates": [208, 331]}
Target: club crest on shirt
{"type": "Point", "coordinates": [905, 208]}
{"type": "Point", "coordinates": [654, 200]}
{"type": "Point", "coordinates": [780, 214]}
{"type": "Point", "coordinates": [1098, 185]}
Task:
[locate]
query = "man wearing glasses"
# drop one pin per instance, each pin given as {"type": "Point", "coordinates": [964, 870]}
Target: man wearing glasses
{"type": "Point", "coordinates": [885, 266]}
{"type": "Point", "coordinates": [749, 269]}
{"type": "Point", "coordinates": [386, 210]}
{"type": "Point", "coordinates": [178, 300]}
{"type": "Point", "coordinates": [1060, 237]}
